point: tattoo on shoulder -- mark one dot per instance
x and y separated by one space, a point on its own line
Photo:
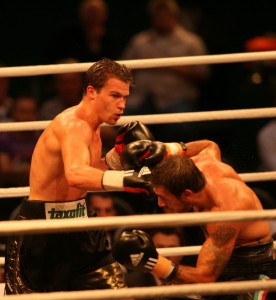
223 234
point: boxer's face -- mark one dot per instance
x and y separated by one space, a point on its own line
171 203
110 100
162 240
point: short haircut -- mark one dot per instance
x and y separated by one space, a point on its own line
170 5
176 174
168 231
104 69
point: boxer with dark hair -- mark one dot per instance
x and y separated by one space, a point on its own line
66 164
198 181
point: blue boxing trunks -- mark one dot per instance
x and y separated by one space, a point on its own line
59 261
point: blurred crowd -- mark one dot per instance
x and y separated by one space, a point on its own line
169 30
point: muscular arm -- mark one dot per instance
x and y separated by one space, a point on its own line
213 256
203 147
76 159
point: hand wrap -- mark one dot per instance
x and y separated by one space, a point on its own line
131 181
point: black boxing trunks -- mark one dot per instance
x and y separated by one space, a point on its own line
248 260
59 261
252 262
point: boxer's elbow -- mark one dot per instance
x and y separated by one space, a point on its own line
198 274
84 178
208 278
213 149
212 145
206 275
74 178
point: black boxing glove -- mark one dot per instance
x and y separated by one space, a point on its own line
148 153
131 181
126 134
131 132
135 250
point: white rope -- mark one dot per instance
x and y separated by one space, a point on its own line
138 221
251 113
14 192
247 177
173 251
218 288
140 63
259 176
188 250
23 126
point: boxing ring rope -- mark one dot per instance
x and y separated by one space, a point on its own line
250 113
247 177
174 251
138 221
187 219
140 63
219 288
157 119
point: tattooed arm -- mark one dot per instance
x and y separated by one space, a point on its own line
213 257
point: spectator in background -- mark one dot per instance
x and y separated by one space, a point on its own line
266 143
16 147
67 91
163 237
251 84
108 205
266 147
168 237
168 89
92 39
191 236
5 99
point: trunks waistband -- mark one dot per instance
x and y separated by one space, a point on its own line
248 260
255 250
35 209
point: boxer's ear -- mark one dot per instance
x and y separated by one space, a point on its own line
90 92
186 194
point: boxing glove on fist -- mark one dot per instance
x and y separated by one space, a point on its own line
131 181
148 153
131 132
126 134
136 251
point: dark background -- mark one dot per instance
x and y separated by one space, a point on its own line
28 29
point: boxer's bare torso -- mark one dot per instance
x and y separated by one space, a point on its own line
228 192
48 176
67 162
224 191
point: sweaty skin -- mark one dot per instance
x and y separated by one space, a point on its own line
224 191
67 161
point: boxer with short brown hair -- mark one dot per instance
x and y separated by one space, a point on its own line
66 164
198 181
